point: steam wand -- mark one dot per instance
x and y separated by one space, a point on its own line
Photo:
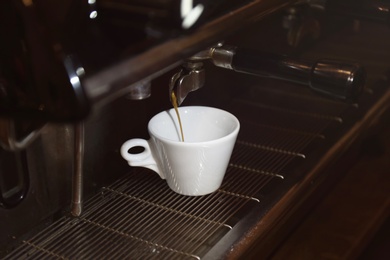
77 178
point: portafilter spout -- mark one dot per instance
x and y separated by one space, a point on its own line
190 78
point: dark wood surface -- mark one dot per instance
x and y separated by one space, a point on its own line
352 221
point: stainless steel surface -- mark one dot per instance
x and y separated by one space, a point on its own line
9 139
49 167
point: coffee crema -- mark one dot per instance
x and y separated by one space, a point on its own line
175 106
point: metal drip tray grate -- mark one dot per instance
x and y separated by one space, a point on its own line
139 217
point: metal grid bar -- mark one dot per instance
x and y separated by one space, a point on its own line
259 160
275 139
293 97
287 119
247 182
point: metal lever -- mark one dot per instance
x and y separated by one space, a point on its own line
331 77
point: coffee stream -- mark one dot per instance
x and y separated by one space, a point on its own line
174 103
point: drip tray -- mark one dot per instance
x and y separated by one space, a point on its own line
139 216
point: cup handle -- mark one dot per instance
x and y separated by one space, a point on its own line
143 159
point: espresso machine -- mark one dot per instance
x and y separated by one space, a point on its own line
308 80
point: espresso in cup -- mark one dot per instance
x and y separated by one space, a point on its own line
196 166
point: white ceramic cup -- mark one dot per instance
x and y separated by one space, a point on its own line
197 165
